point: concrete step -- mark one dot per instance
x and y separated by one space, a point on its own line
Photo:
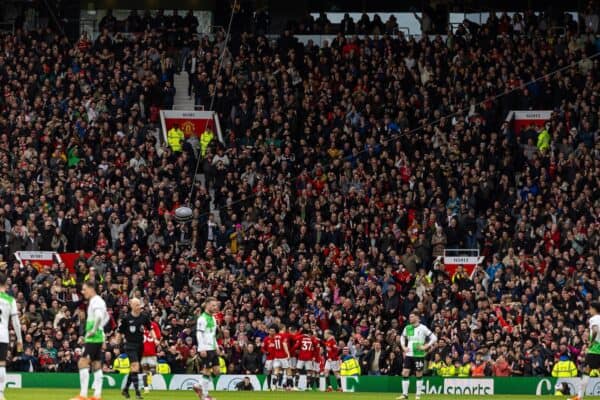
182 100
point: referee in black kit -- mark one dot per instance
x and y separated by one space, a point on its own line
132 329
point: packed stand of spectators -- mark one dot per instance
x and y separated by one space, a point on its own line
346 171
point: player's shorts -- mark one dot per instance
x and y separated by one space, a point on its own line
3 351
305 365
150 361
593 361
134 351
93 351
269 365
414 364
332 365
293 362
210 361
281 363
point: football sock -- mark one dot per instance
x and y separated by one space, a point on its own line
2 379
419 386
136 382
84 381
98 383
405 384
584 381
205 385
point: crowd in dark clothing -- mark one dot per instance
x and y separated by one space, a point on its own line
345 172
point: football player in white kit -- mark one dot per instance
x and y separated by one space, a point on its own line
97 318
416 340
8 314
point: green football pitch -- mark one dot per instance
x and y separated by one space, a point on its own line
62 394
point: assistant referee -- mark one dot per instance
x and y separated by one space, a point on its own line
132 328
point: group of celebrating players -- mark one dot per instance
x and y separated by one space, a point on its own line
288 352
295 351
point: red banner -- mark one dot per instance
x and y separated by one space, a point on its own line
37 259
189 126
192 123
70 258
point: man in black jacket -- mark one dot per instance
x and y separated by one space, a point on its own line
374 360
251 361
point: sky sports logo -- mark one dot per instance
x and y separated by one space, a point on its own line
476 387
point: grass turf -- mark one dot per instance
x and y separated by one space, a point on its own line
65 394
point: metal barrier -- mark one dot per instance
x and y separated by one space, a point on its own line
403 29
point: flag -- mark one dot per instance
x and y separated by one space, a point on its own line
38 259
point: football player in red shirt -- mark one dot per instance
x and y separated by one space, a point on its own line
332 364
149 361
305 346
293 337
276 348
268 348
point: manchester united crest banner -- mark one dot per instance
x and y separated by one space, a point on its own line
192 123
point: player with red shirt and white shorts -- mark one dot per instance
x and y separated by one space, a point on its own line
276 348
292 376
304 347
333 362
149 360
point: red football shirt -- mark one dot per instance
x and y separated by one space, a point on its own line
273 347
306 348
333 353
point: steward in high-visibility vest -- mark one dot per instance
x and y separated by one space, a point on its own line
205 140
464 371
447 369
222 366
564 368
175 137
350 367
122 364
69 281
163 367
435 365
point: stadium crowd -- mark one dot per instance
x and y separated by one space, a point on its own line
346 170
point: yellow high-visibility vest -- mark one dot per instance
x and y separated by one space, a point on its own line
447 370
435 367
122 365
564 369
205 139
464 370
222 365
350 367
174 139
163 368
